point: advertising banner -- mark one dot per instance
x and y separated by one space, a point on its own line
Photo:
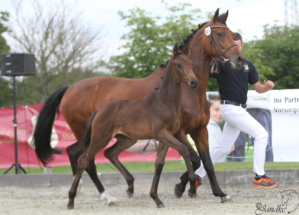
284 108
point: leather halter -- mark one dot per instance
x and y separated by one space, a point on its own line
215 45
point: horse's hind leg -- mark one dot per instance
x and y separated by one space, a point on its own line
92 172
74 151
195 160
112 154
161 154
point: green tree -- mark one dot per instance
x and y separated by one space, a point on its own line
4 48
151 39
5 90
255 55
277 51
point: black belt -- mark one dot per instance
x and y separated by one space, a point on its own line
233 103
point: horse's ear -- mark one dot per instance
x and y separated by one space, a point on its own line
225 16
175 50
215 17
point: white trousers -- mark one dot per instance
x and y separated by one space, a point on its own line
238 119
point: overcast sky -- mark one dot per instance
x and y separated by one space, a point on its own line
246 15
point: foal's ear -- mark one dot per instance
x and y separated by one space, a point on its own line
175 50
225 16
187 49
215 17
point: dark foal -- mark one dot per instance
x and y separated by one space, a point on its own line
157 116
80 99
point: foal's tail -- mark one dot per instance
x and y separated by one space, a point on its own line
43 128
87 135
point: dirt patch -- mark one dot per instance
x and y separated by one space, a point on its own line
53 200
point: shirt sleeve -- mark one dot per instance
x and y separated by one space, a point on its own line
253 75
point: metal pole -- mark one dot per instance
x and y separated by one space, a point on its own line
15 126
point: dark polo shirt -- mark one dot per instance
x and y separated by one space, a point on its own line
233 83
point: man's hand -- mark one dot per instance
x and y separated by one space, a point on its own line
233 148
269 84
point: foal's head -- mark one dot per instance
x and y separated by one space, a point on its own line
182 67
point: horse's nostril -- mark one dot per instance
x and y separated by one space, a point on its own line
194 83
240 59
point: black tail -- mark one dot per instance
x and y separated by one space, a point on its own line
87 135
43 128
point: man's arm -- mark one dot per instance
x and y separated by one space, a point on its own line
263 88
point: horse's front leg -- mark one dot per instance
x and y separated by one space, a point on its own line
112 155
160 160
195 159
165 137
200 138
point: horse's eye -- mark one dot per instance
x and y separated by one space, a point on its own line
220 34
179 65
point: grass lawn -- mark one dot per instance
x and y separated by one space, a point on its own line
148 166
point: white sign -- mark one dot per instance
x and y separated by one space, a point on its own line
284 108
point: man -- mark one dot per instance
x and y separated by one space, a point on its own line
233 88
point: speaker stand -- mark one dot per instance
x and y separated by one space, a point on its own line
16 164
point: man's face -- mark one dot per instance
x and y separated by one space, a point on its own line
239 43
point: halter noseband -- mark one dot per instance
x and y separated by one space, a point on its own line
208 32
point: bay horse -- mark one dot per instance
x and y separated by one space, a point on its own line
80 99
156 116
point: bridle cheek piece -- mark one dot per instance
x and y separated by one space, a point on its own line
208 32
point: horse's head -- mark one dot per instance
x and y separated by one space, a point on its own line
218 41
182 67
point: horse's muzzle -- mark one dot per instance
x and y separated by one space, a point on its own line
193 84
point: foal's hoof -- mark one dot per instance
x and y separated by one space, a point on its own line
177 192
70 206
161 206
129 194
113 203
226 199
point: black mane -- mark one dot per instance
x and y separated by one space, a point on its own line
187 39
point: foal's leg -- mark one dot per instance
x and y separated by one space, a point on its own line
112 154
74 151
160 160
171 141
83 163
195 159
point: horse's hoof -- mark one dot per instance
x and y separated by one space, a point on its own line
70 206
177 192
113 203
161 206
191 195
130 195
226 199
